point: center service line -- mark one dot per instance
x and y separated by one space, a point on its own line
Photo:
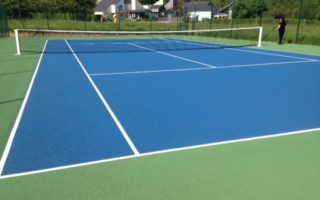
174 56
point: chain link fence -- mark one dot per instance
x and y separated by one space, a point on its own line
4 30
302 16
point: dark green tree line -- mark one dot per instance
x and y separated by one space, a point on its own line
27 8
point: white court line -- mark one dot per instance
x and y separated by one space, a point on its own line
265 64
119 43
19 117
198 69
161 152
250 51
150 71
272 54
152 42
105 103
174 56
97 43
292 52
85 43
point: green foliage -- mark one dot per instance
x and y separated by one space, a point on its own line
147 2
26 8
4 29
273 8
241 10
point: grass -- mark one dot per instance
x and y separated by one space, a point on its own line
307 49
15 75
285 168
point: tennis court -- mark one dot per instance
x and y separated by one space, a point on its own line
133 99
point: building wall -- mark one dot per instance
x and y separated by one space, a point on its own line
114 8
201 15
159 3
133 4
169 5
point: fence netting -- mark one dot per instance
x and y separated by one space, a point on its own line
302 16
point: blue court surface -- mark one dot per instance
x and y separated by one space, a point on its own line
90 107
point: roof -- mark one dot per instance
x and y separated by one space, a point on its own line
104 4
200 6
156 6
226 7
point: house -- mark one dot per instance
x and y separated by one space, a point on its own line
111 9
128 9
200 10
104 9
156 10
163 9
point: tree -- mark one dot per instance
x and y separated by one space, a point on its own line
18 8
241 10
257 8
83 8
147 2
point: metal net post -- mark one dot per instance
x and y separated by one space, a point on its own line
16 32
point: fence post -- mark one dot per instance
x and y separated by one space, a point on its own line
119 23
150 23
232 15
299 20
3 27
177 16
212 16
47 16
261 12
194 18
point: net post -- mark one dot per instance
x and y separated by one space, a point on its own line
260 36
16 32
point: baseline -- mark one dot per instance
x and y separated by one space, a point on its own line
306 131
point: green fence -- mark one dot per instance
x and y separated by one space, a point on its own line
302 16
303 19
4 30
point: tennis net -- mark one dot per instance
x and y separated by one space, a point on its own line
31 40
